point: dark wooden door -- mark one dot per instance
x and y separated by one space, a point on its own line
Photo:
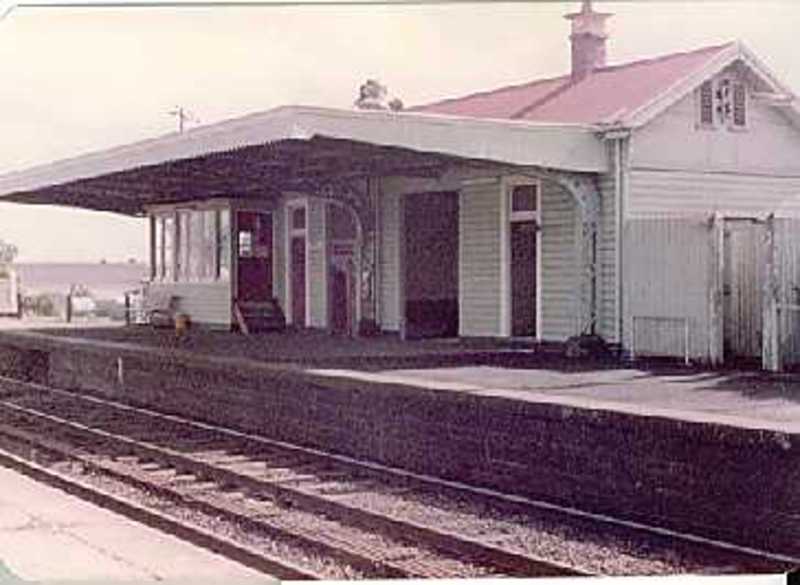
340 301
255 256
523 278
298 276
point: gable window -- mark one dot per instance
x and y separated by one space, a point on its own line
722 103
739 105
707 104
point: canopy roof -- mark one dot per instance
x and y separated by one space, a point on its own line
295 148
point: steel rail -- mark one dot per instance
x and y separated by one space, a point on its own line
452 486
466 549
196 535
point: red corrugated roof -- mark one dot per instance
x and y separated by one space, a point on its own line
600 97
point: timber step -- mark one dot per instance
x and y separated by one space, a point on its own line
254 317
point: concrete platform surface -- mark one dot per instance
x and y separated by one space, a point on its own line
746 400
49 536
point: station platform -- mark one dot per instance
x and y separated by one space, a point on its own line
739 399
483 367
48 536
705 452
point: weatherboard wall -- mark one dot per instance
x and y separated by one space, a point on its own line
480 259
560 270
678 167
207 303
606 260
391 208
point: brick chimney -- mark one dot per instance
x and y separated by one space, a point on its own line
588 40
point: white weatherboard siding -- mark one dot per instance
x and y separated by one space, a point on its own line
655 193
480 259
667 275
680 169
769 144
390 240
787 269
317 271
208 303
560 264
606 260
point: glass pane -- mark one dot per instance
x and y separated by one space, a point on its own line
209 269
263 235
158 248
523 198
739 101
196 233
169 247
706 104
224 244
182 270
299 218
245 244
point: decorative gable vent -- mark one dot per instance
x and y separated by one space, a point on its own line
739 105
722 103
707 104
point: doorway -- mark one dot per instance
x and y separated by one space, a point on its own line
254 237
524 243
342 235
431 264
742 286
297 281
523 278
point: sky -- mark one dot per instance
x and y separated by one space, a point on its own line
81 79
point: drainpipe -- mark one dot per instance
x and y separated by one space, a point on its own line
619 138
376 194
618 226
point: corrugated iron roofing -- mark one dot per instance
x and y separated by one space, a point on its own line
600 97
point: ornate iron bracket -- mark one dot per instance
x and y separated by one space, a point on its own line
362 205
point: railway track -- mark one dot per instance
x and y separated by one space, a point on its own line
298 513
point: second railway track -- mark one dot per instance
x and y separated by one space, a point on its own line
304 508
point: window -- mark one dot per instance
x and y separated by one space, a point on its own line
209 246
182 269
298 218
196 245
191 245
223 244
722 103
739 105
168 271
524 200
157 269
245 244
707 104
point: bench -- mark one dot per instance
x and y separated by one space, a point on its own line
160 309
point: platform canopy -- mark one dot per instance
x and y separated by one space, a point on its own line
293 149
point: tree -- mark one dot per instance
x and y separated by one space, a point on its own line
372 95
8 252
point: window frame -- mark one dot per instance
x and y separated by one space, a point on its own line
722 120
181 223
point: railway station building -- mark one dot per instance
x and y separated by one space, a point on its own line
651 204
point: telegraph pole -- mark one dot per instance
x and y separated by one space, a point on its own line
183 116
